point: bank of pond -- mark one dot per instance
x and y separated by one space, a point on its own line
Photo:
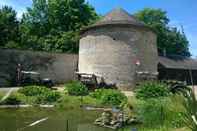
154 107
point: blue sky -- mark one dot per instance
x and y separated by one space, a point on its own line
180 12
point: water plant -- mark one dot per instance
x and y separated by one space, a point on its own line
190 114
76 88
40 94
109 96
152 89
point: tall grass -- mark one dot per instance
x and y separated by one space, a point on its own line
74 102
190 114
159 114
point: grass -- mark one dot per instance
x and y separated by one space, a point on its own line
70 102
1 95
29 100
162 128
66 101
156 114
159 114
155 118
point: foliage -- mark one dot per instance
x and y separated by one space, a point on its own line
8 28
152 89
159 112
109 96
49 97
33 90
170 39
53 25
75 102
12 100
76 88
42 94
190 104
176 86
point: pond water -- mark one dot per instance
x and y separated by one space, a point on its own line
19 119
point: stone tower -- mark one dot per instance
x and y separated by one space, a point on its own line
118 48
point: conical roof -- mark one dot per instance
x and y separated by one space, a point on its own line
117 16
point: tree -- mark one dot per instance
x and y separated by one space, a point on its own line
53 25
8 28
173 41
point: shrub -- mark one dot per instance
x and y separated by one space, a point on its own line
42 94
33 90
176 86
152 89
76 88
109 96
49 97
98 93
159 112
12 100
190 105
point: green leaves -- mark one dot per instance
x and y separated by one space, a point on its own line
170 39
55 24
151 89
190 104
109 96
8 28
42 95
76 88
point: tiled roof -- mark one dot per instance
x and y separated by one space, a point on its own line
178 62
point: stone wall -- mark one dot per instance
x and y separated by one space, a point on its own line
112 52
59 67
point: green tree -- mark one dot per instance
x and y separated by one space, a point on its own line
9 35
169 39
54 25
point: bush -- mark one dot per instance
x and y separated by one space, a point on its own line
76 88
190 104
159 112
49 97
152 89
109 96
12 100
42 94
176 86
33 90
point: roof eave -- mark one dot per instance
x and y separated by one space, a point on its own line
114 24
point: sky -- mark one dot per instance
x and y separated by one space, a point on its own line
180 12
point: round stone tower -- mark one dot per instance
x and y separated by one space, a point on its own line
118 48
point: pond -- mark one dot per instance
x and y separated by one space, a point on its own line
19 119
